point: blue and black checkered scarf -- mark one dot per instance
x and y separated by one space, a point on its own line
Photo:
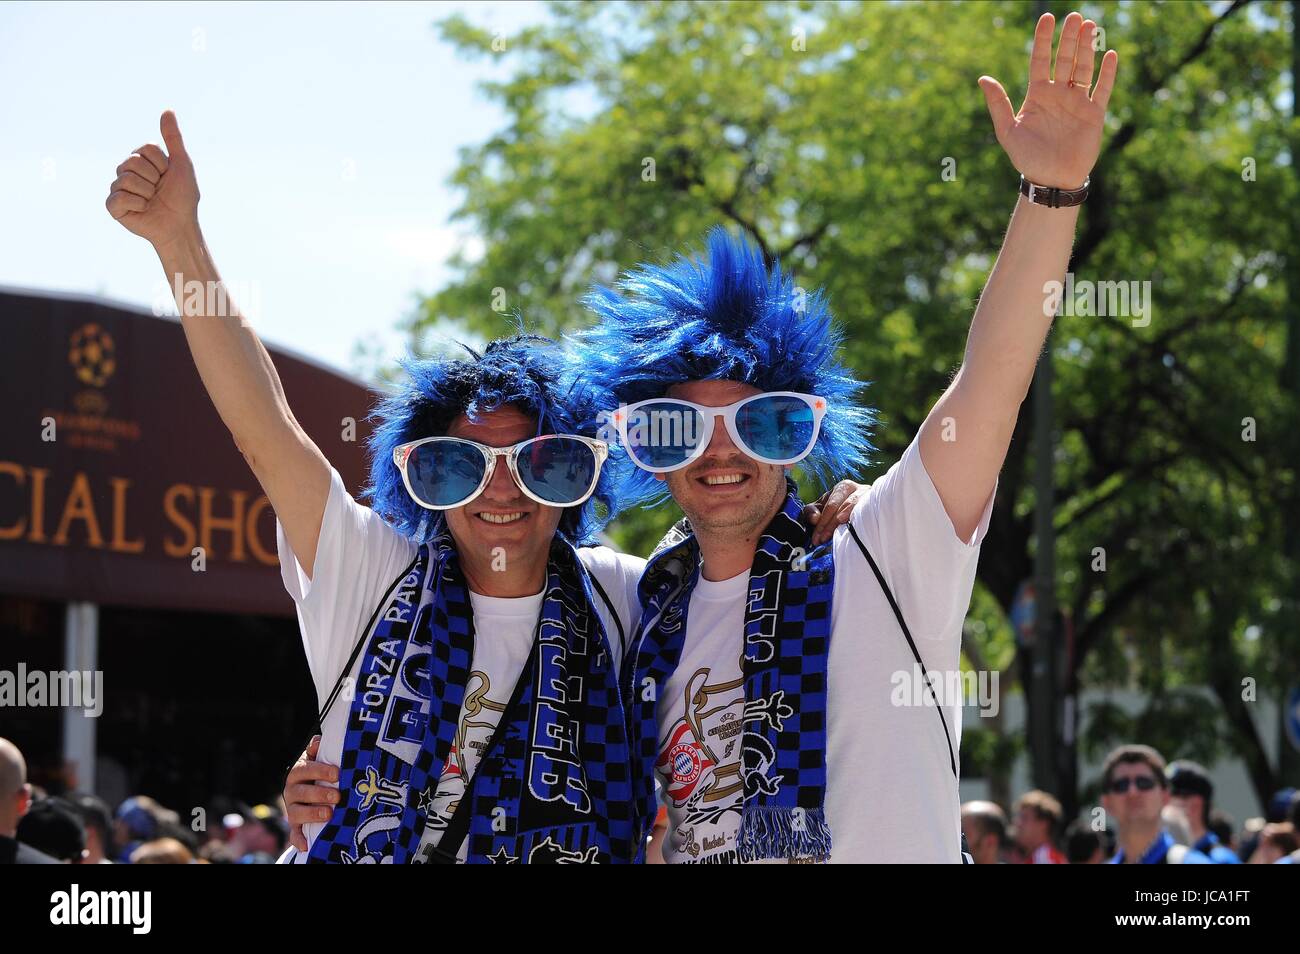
557 787
787 642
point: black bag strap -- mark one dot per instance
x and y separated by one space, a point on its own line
352 659
361 641
966 857
910 642
453 836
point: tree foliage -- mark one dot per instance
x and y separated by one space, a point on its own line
824 131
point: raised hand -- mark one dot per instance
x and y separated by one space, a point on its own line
155 194
1055 138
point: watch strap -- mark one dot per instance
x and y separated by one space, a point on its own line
1053 197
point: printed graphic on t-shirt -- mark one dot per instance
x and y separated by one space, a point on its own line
479 716
700 767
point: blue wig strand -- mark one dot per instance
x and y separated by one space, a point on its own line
527 372
726 317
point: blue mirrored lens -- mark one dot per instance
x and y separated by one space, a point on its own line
663 434
777 427
445 473
560 470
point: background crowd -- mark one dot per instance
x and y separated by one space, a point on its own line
1147 799
38 826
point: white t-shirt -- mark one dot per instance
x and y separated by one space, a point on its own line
891 793
358 556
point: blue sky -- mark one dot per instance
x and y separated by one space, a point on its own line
323 136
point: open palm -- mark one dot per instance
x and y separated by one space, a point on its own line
1055 138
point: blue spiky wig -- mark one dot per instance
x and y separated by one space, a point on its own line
724 317
527 372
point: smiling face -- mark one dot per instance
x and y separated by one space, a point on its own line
724 491
503 515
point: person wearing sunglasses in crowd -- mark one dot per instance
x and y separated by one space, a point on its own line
767 664
1135 792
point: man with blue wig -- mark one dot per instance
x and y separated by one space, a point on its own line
760 680
461 620
796 690
491 632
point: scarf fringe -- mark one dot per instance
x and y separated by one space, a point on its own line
770 831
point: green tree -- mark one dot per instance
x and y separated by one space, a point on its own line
852 142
